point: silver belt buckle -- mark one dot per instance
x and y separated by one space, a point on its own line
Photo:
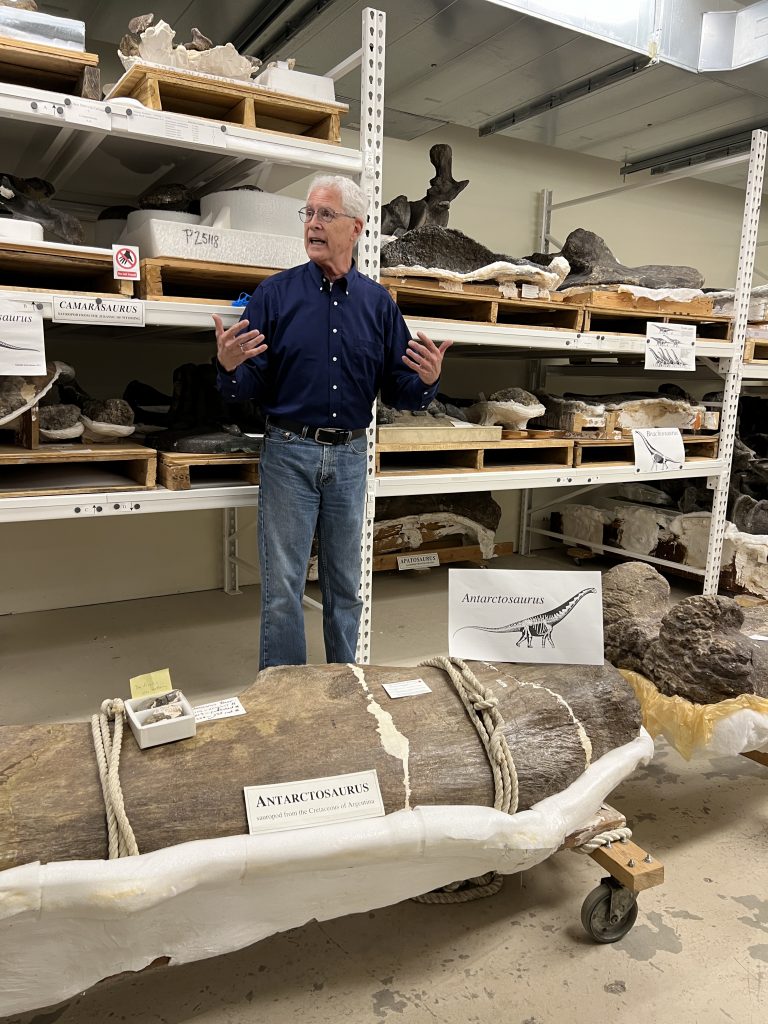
327 430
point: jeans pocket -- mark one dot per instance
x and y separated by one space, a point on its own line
359 445
276 436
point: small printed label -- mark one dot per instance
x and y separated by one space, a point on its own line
429 558
93 115
670 347
125 262
758 636
227 708
82 309
313 802
151 683
408 688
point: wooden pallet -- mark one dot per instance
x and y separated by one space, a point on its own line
446 555
75 468
756 350
179 470
65 271
478 304
241 103
468 457
621 452
50 67
600 320
179 280
598 298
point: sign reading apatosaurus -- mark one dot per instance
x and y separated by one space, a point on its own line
554 618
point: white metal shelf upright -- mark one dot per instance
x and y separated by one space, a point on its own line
731 356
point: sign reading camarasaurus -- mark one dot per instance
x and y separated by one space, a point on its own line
555 618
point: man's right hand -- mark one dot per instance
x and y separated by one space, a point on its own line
237 343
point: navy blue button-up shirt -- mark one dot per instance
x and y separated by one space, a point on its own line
332 348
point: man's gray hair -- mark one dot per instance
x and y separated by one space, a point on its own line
353 199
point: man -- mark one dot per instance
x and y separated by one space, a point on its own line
315 346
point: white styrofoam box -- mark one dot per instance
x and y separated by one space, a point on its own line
246 210
298 83
216 245
45 29
13 230
153 733
138 218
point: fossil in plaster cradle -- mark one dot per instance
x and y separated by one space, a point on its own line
593 263
511 408
401 215
628 411
310 722
27 199
408 524
153 43
695 649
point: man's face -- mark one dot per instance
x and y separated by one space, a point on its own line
330 244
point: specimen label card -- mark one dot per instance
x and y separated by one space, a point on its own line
227 708
22 343
658 449
553 618
670 347
313 802
407 688
418 561
85 309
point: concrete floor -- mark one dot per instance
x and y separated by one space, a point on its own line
698 953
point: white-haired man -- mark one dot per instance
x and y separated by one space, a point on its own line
316 344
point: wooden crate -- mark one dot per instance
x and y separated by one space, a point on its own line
75 468
446 554
756 350
621 452
477 304
179 280
598 298
179 470
601 320
241 103
50 67
468 457
59 269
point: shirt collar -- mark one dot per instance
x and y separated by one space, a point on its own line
347 282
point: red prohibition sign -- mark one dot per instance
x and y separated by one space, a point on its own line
126 258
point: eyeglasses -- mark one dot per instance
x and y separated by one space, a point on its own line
324 214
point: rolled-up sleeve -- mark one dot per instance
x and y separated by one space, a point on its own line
248 381
401 387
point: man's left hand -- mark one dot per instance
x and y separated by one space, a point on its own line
425 357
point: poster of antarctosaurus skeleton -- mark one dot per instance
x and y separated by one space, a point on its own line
510 615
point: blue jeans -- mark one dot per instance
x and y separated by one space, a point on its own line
305 486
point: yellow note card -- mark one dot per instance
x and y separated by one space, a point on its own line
151 683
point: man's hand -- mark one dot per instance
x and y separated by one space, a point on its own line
425 357
237 343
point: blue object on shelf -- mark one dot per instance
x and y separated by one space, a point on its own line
242 299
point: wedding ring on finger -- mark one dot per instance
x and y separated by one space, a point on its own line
242 347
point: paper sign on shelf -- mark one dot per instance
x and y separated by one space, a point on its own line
227 708
86 309
151 683
91 116
22 341
658 449
423 561
125 262
670 347
313 802
167 126
406 688
553 618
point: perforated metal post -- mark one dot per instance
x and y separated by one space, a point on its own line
230 551
733 378
372 146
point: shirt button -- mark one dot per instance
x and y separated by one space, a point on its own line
335 302
334 359
334 415
335 386
335 331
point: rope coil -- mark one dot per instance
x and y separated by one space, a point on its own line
614 835
122 842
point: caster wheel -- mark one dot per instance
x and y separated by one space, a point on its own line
604 922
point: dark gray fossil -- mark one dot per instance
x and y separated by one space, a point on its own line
401 215
479 507
58 417
109 410
694 649
434 246
592 262
176 198
27 200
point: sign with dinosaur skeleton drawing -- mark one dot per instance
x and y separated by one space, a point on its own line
553 618
658 449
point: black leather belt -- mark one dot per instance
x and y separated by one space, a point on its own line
323 435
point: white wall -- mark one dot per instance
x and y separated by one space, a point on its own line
55 564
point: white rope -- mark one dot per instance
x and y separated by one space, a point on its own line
482 707
614 835
122 842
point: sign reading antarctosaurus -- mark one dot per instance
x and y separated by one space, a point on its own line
521 616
